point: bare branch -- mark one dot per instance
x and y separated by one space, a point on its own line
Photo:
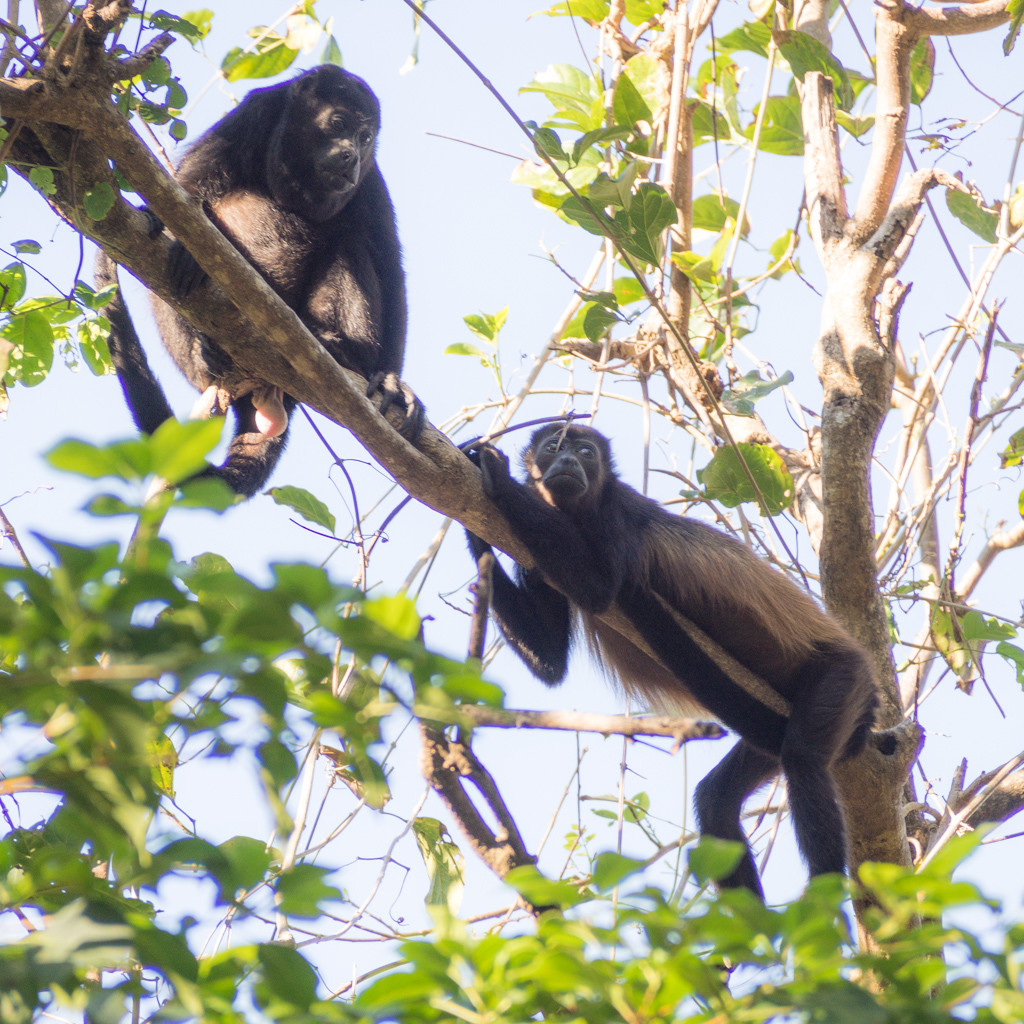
680 729
892 106
445 764
957 21
823 169
1004 540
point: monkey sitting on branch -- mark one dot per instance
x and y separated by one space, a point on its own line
802 695
290 177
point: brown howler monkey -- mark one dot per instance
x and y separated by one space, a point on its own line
289 176
595 540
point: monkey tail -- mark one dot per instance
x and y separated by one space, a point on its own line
142 391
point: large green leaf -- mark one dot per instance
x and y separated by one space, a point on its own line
783 131
308 505
31 356
922 70
1015 9
725 480
968 210
576 97
444 863
805 53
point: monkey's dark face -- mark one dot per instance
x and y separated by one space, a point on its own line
568 470
326 144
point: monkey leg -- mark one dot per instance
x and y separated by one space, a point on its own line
823 720
719 802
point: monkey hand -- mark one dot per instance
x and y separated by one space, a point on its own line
184 271
493 466
395 391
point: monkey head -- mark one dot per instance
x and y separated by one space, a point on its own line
568 466
322 148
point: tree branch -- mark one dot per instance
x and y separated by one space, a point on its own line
957 21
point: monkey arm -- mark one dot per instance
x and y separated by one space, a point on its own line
579 565
535 618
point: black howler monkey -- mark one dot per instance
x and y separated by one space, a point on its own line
594 541
289 176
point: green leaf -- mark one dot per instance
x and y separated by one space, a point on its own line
597 321
178 129
207 492
1014 452
1015 9
651 212
749 389
92 337
922 70
179 450
751 36
576 97
856 124
713 212
201 19
611 868
782 132
541 891
596 138
712 859
975 627
12 284
1015 656
628 290
637 90
331 53
396 614
172 23
31 357
606 191
968 210
547 144
111 505
42 179
245 864
640 11
288 975
805 53
628 105
302 890
310 507
487 326
444 863
167 952
128 460
28 245
590 10
463 348
270 58
842 1002
724 479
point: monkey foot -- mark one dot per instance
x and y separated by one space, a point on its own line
396 392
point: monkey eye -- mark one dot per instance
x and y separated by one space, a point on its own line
551 446
364 137
585 450
336 123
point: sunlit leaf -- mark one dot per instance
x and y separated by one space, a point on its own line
725 480
308 505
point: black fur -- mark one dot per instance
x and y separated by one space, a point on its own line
289 176
595 541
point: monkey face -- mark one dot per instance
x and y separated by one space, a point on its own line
324 145
567 469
